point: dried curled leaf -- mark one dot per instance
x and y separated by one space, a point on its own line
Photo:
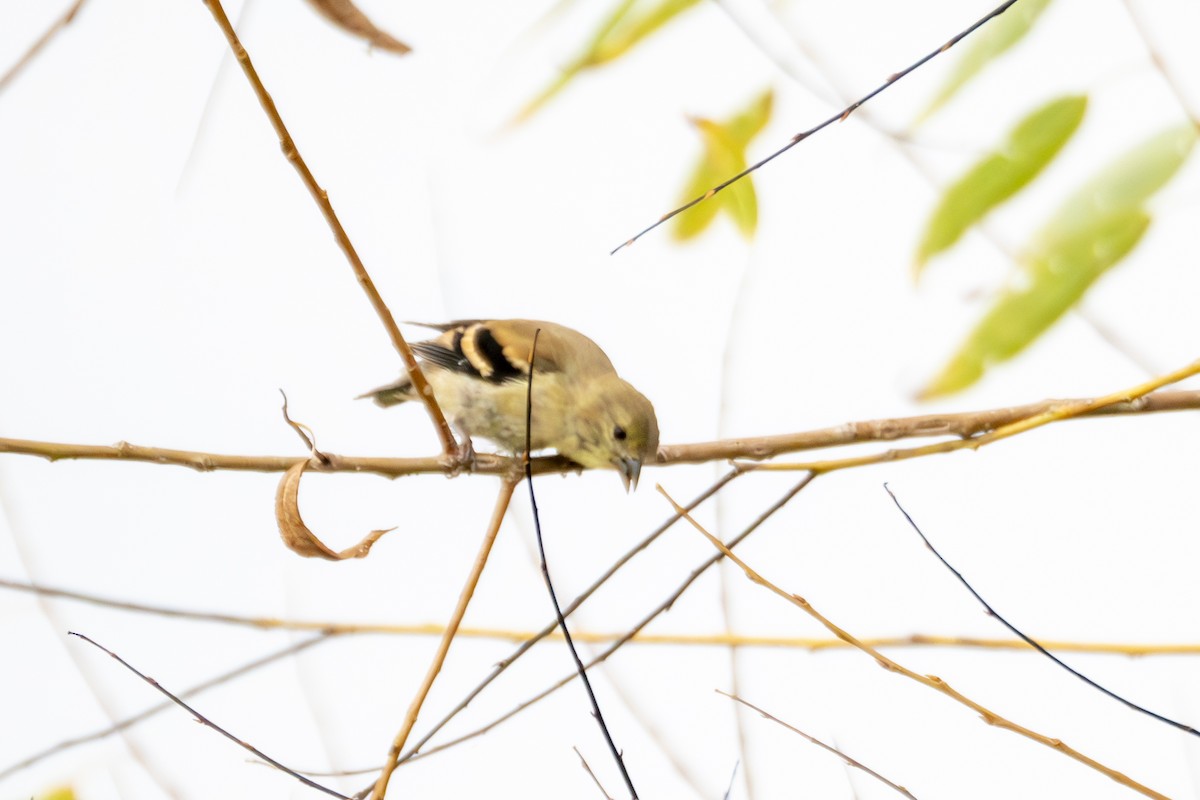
297 536
353 21
1030 146
725 146
996 37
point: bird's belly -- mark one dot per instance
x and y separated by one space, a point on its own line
497 412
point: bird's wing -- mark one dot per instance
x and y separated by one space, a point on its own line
498 350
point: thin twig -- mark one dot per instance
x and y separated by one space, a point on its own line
968 424
591 774
1055 413
550 627
129 722
66 19
931 681
525 637
562 621
1172 83
909 152
1041 649
321 197
850 761
379 788
209 723
732 778
840 116
625 637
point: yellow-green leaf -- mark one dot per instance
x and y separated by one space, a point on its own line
1059 276
629 23
1030 146
1124 185
724 156
991 41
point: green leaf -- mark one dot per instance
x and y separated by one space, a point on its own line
724 156
1030 146
991 41
1094 228
1124 185
1059 276
616 35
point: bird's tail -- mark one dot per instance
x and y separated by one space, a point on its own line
393 394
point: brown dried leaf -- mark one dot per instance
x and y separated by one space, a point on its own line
349 18
296 534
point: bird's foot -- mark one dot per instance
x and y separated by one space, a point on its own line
461 460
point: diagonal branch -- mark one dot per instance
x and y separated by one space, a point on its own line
379 788
1029 641
838 117
931 681
66 19
292 154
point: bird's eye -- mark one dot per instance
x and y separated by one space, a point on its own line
619 433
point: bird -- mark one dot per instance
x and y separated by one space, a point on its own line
581 408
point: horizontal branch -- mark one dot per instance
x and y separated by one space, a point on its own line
962 425
723 639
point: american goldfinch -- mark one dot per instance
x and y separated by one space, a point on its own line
478 370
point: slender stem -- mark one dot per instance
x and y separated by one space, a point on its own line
321 197
66 19
838 117
580 669
209 723
1029 641
931 681
439 657
964 425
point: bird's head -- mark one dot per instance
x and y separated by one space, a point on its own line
616 428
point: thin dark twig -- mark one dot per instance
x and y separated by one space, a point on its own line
129 722
732 778
993 613
838 117
850 761
203 720
562 621
524 647
637 628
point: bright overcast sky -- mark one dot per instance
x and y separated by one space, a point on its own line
163 273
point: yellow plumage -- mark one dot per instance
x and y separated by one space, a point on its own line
581 408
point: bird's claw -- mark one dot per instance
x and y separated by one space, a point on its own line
461 460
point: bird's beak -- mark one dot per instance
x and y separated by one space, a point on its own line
630 469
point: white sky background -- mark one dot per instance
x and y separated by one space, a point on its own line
163 272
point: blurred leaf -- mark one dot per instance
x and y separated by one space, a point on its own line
1058 278
1097 226
724 156
1124 185
988 43
349 18
623 29
1030 146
